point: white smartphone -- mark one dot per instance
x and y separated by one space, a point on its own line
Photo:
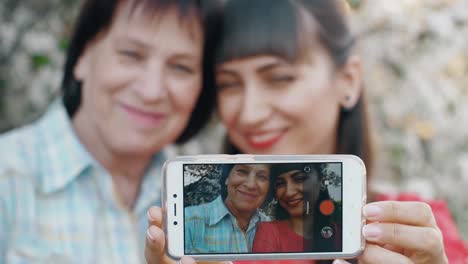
235 207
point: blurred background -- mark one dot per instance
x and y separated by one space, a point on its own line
415 55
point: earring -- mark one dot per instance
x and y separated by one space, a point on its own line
347 103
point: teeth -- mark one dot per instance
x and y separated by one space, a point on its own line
264 137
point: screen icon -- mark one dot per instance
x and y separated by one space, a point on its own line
327 232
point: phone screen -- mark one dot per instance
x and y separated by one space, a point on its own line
262 208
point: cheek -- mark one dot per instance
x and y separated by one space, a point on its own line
228 108
233 182
184 93
279 192
264 187
109 75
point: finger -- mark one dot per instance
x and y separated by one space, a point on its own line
409 213
155 247
187 260
393 248
340 261
413 238
155 216
374 254
211 262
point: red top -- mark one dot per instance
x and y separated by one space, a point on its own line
277 236
455 247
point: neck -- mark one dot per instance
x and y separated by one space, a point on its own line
126 170
297 225
243 218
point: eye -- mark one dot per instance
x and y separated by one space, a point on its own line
182 68
263 177
242 172
300 177
227 81
130 54
280 183
223 85
281 79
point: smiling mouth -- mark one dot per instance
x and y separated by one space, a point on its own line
250 196
293 202
264 140
145 118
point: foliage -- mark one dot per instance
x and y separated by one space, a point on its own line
202 183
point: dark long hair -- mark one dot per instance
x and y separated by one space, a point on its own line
281 28
96 16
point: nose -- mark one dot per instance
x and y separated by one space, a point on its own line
255 107
250 182
291 190
151 85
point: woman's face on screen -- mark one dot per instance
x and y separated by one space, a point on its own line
247 187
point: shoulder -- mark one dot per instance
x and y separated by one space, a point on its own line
19 154
18 143
18 172
199 211
270 226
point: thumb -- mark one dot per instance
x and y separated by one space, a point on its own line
155 246
187 260
340 261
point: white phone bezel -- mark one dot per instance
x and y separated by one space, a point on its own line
353 191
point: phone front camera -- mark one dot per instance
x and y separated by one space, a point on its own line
175 195
175 222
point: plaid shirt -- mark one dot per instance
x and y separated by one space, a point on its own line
58 205
211 228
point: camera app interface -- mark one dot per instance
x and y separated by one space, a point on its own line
262 208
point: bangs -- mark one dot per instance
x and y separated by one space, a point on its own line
188 11
260 27
278 169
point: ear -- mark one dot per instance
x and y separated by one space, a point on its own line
79 71
84 62
349 82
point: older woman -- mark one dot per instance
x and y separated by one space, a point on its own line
76 184
228 223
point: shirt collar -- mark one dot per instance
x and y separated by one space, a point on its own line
218 211
150 193
64 157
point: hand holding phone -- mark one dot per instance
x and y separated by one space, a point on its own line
270 207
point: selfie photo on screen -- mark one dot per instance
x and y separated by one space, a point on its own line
262 208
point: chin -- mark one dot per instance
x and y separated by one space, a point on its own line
137 147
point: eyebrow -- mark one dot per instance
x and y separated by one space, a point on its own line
271 66
244 166
142 44
295 172
132 40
